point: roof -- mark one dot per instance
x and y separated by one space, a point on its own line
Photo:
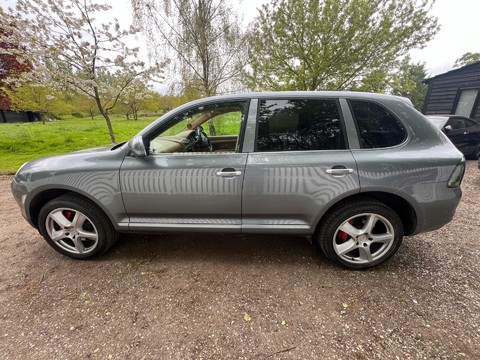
451 72
301 94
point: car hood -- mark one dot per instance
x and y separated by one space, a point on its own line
102 148
106 158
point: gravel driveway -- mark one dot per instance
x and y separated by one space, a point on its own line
240 297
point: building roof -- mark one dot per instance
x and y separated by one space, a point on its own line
451 72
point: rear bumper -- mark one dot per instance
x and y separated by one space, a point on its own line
437 207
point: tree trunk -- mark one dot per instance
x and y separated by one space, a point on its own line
109 126
105 115
211 127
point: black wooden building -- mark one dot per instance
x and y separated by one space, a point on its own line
454 92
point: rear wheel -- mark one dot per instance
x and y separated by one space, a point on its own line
361 234
75 227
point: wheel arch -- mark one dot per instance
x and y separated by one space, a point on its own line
42 198
402 207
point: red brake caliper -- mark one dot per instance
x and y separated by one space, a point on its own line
343 236
68 214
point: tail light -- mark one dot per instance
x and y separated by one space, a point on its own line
457 175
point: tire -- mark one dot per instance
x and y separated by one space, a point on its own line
360 234
75 227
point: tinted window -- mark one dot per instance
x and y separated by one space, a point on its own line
470 123
456 123
292 125
378 128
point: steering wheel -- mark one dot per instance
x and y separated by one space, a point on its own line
203 139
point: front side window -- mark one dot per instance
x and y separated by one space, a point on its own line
207 128
377 127
299 125
456 124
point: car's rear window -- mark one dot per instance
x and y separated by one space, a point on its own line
299 124
377 127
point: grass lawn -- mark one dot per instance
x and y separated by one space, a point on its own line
21 142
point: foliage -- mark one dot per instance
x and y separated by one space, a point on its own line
12 65
22 142
204 35
70 49
333 44
408 82
134 98
467 59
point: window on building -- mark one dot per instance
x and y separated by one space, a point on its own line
466 101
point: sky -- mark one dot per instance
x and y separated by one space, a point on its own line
459 33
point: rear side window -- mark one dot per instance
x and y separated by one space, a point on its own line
377 127
296 125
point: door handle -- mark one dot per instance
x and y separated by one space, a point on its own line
229 172
339 171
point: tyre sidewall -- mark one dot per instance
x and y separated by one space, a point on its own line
341 214
94 216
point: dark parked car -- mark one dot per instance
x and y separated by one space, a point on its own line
462 131
355 171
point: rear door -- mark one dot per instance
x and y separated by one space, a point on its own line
299 165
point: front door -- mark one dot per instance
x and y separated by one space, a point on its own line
189 178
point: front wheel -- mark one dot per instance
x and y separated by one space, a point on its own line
361 234
75 227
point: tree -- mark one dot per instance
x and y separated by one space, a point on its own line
38 99
12 65
467 59
135 98
204 35
69 48
408 82
333 44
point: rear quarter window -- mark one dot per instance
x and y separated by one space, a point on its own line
377 127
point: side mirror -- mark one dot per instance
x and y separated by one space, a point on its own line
448 127
137 147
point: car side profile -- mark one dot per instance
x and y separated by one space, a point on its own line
355 171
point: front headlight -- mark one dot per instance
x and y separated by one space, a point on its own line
457 175
20 168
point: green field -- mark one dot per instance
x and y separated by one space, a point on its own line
22 142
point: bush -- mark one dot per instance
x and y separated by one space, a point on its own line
78 114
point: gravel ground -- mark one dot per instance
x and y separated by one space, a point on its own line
255 297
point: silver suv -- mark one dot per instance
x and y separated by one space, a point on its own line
355 171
